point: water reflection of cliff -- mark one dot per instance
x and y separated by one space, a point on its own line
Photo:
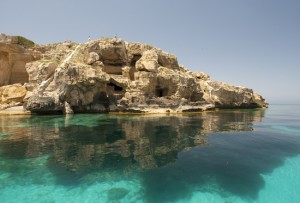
81 143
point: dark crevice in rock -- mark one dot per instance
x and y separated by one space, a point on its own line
101 98
135 58
131 73
116 88
161 92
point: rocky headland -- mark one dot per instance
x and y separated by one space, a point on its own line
107 75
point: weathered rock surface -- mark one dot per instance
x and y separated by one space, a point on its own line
14 54
109 74
12 95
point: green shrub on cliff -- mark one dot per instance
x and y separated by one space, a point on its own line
23 41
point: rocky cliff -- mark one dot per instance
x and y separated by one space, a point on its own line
108 75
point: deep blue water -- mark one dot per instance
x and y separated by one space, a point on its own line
226 156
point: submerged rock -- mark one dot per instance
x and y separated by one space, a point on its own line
111 75
116 194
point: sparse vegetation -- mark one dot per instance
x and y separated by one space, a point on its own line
24 42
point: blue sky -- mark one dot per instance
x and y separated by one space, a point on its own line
252 43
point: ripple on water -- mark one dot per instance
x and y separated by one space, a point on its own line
286 128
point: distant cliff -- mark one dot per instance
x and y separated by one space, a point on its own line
108 75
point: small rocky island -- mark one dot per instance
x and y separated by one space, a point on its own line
107 75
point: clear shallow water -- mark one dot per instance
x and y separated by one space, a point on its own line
227 156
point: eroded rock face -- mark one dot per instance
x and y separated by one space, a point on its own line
15 52
112 75
12 64
12 95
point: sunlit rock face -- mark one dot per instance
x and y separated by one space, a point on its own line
12 95
111 75
14 54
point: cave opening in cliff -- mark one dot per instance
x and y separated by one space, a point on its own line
135 58
115 87
101 98
161 92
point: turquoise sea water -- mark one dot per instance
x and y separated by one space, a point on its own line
227 156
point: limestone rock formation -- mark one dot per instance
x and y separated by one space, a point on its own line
14 54
12 95
111 75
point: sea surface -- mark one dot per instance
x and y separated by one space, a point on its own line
228 156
